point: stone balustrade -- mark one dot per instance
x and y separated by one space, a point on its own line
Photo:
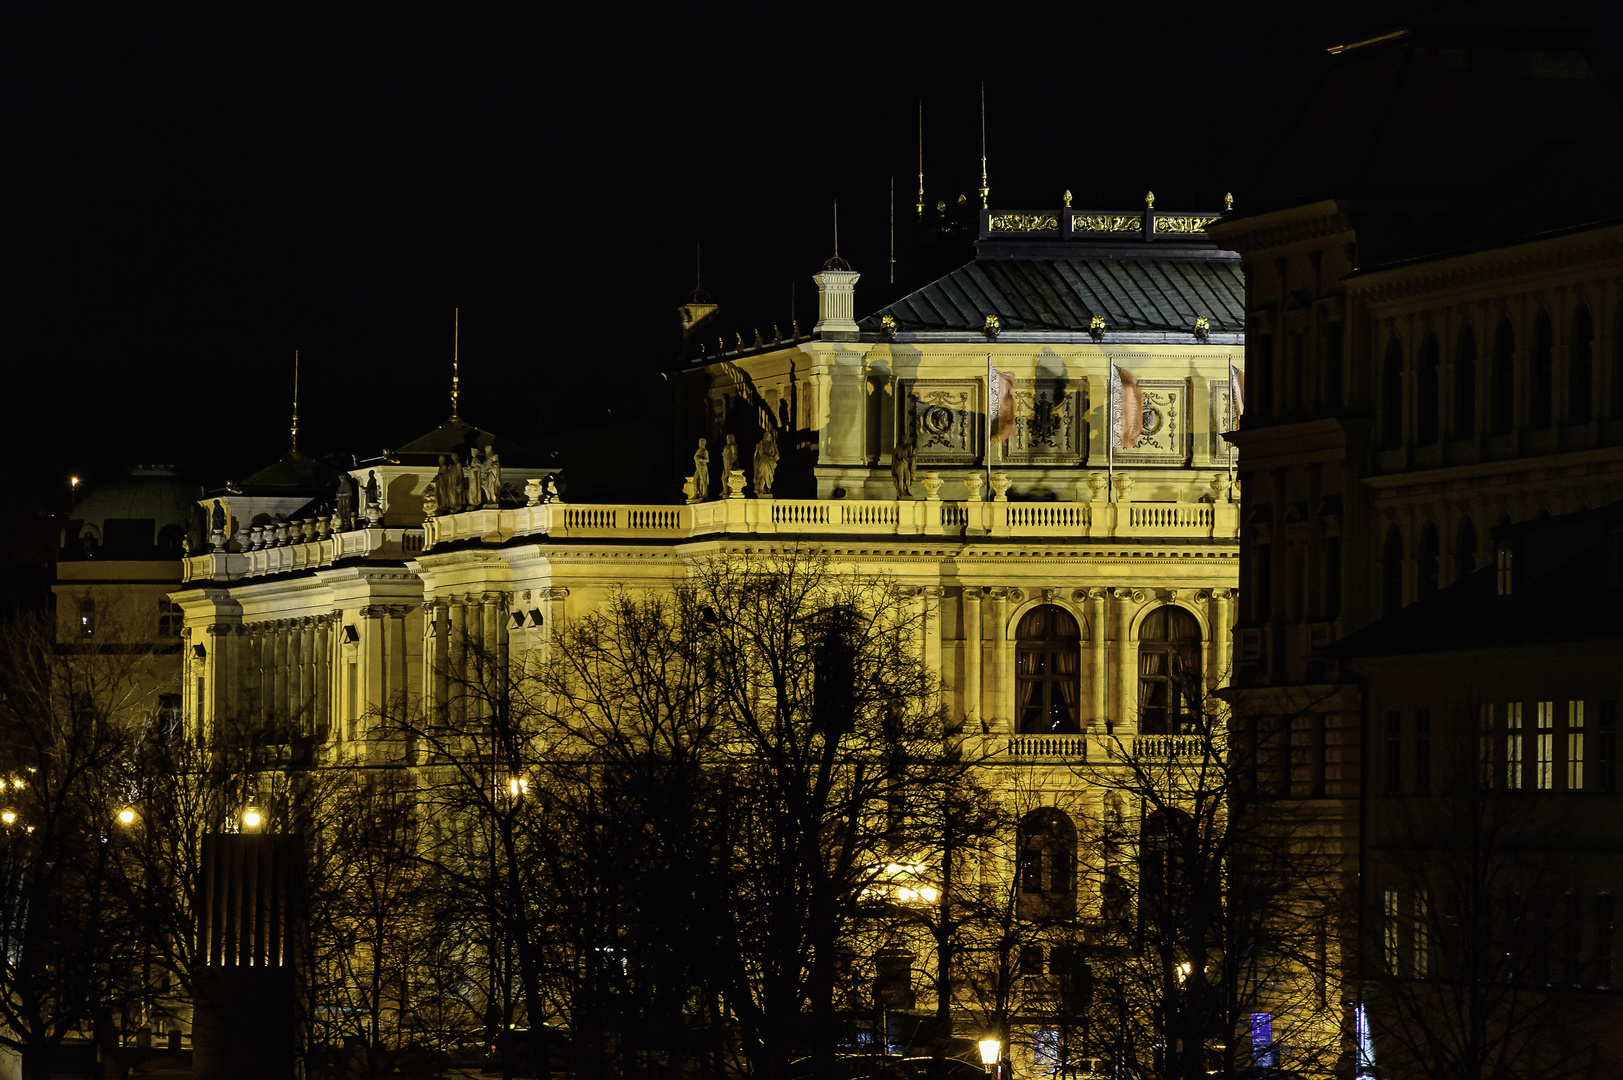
302 554
1095 748
871 517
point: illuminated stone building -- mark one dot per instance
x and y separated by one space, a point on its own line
305 615
1434 310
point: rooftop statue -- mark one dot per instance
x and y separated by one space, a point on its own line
475 468
729 457
901 469
701 473
491 477
766 461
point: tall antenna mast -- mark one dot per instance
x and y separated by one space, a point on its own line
985 191
456 373
836 228
893 230
921 158
295 401
698 267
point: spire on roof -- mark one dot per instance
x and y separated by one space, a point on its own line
456 374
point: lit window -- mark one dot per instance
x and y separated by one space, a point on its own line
1513 745
1263 1054
1575 746
1048 655
1422 942
1545 749
1390 932
1045 1049
87 617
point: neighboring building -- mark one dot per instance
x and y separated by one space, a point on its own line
1055 597
1434 306
1494 844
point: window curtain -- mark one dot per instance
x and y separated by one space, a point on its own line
1066 666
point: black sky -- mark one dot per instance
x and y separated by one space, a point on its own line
197 193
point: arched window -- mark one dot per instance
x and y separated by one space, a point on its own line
1426 398
1502 390
1465 549
1465 386
1430 560
1581 369
1163 881
1169 689
1392 397
1542 376
1048 649
1047 864
1392 573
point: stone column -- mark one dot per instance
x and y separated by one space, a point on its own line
458 673
1222 619
1098 648
372 622
1001 691
278 705
436 657
930 605
1126 664
324 669
307 674
396 665
974 642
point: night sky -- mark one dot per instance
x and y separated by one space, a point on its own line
194 193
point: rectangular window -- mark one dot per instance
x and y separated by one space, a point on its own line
1422 751
1502 569
1394 752
170 618
1544 772
1045 1049
1605 938
197 711
1575 746
1606 746
1485 743
1263 1054
1422 941
1390 934
1513 745
1031 960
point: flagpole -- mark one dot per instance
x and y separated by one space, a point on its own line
990 391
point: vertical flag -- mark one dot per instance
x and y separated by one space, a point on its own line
999 403
1126 409
1236 394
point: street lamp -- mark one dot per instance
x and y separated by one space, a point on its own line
989 1052
126 815
251 819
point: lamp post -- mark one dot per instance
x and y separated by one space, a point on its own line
990 1048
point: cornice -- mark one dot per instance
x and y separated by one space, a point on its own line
1256 236
1547 463
1410 283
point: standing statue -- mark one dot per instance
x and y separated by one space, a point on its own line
901 469
729 458
766 461
453 495
491 477
475 468
701 473
342 500
373 491
217 519
549 488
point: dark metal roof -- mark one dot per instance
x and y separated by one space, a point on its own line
1137 294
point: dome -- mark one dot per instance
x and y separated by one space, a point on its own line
141 515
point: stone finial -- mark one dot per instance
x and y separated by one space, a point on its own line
1228 200
532 492
1149 200
1067 196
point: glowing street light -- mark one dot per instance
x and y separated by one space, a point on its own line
9 816
126 815
251 819
989 1052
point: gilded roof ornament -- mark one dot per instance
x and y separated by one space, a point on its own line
1203 328
1228 200
887 326
1067 196
992 326
1149 200
1096 327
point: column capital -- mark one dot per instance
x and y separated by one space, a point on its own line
972 592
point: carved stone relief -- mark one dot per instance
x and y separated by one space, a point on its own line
1048 426
1165 440
941 419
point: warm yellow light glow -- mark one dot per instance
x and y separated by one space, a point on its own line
251 818
905 894
126 815
989 1049
517 786
928 895
1183 972
8 816
73 481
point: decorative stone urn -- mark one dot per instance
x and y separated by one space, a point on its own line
1000 487
735 484
1124 488
532 492
974 481
1099 486
932 486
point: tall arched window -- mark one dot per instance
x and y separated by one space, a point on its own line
1162 875
1426 396
1465 385
1465 549
1502 389
1430 560
1581 369
1169 689
1542 375
1392 573
1392 397
1047 864
1048 648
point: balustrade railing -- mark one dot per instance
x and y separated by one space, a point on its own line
1073 747
907 517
